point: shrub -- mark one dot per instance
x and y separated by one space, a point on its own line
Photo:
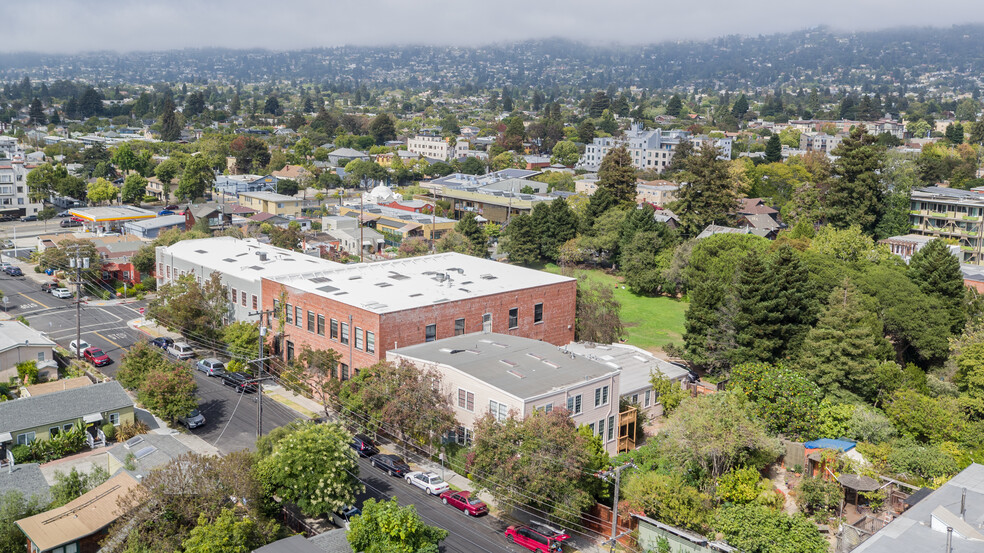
27 372
127 430
21 453
818 495
915 461
109 430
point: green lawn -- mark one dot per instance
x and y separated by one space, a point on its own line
650 322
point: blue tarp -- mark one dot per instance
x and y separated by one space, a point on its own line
830 443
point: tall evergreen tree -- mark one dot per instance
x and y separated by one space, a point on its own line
170 128
235 104
758 319
937 273
740 108
520 241
797 305
708 194
841 354
562 227
618 175
702 317
586 131
773 149
674 106
599 202
599 103
36 113
382 128
468 227
855 195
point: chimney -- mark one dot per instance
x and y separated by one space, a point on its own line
949 540
963 505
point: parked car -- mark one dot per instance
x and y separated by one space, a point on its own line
65 223
430 482
65 213
465 502
181 350
239 381
211 366
96 356
29 218
4 265
8 244
63 293
194 419
364 446
162 342
393 464
81 346
14 271
171 207
164 212
343 517
535 541
49 286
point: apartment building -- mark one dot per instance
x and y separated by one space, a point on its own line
819 142
14 200
649 149
436 147
272 203
951 213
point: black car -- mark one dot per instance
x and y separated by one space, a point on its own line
163 342
364 446
29 218
393 464
65 223
48 286
238 381
13 271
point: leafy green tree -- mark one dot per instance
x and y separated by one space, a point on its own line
565 153
741 486
773 149
165 172
242 339
510 463
382 128
386 527
185 304
251 153
101 191
13 507
927 419
196 178
817 495
854 196
970 378
137 363
937 272
74 484
618 175
41 182
759 529
519 240
643 262
785 400
473 166
842 352
668 498
313 468
708 194
134 188
169 391
597 314
740 107
228 533
170 127
124 159
668 392
468 227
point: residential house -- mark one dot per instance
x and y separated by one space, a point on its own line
658 192
399 224
349 234
19 343
492 205
218 215
432 146
14 194
295 173
27 479
363 310
271 202
332 541
719 229
55 386
819 142
146 452
240 263
270 219
907 245
38 418
342 156
504 374
651 532
234 185
80 525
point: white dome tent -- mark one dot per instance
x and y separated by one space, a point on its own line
380 195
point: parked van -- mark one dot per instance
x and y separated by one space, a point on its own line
181 350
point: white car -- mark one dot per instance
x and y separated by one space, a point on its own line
63 293
181 350
82 346
428 481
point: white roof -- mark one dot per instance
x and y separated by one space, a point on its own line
269 196
636 364
400 284
157 222
241 258
15 333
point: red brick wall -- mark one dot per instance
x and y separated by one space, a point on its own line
406 328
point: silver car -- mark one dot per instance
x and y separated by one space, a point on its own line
181 350
211 366
193 419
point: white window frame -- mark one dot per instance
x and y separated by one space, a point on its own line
26 438
114 419
574 404
465 398
499 410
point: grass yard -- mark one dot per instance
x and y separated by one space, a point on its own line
650 322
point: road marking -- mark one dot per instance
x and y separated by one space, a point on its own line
110 341
42 305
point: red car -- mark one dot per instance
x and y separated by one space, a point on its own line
464 501
535 541
96 356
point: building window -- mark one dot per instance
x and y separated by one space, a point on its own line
334 329
67 427
290 350
358 338
345 333
298 315
538 313
459 327
487 322
254 301
290 314
574 404
466 400
25 438
591 426
648 397
611 427
53 431
548 408
321 325
334 370
345 374
601 396
235 295
370 342
499 410
40 356
243 295
601 429
114 419
310 321
513 318
430 333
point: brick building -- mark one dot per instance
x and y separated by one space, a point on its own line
362 311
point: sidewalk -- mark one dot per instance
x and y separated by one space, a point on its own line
151 328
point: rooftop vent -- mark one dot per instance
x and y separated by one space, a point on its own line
508 363
398 276
262 256
383 284
517 374
339 293
319 280
229 260
487 276
327 288
355 277
418 294
535 356
200 251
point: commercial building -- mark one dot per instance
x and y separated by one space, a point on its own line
362 311
950 213
273 203
496 206
240 263
110 218
149 229
399 223
503 374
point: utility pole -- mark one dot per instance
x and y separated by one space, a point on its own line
78 263
259 370
607 475
362 223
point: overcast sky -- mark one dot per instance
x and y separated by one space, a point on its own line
70 26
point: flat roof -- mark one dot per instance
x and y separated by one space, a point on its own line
111 213
400 284
159 222
14 334
80 517
637 364
521 367
240 258
270 196
393 213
